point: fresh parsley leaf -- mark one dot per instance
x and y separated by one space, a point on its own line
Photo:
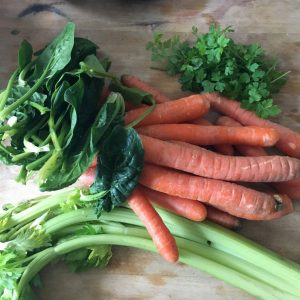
214 62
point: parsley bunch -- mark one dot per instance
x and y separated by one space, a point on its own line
213 62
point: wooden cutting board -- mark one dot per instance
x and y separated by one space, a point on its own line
121 29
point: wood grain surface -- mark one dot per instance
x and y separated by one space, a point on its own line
121 29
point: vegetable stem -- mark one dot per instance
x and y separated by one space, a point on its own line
5 94
6 111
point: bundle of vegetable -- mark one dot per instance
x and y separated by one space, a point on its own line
216 63
64 227
51 119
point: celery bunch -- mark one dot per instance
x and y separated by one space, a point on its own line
64 226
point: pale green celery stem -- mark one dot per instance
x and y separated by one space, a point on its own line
6 111
35 211
236 244
220 238
5 94
230 276
224 258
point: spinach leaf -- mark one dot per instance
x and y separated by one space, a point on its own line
81 152
25 54
120 164
57 54
132 95
81 48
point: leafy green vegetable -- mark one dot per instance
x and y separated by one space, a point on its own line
78 156
82 240
213 62
120 164
25 54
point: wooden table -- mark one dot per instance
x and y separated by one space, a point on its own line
121 29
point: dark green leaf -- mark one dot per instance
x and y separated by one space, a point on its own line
78 157
25 54
57 54
119 166
132 95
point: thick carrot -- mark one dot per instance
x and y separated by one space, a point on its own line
232 198
225 149
222 218
156 228
212 135
290 188
177 111
289 140
134 82
190 209
243 149
205 163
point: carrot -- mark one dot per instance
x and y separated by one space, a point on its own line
190 209
134 82
212 135
289 140
245 150
156 228
94 163
222 218
290 188
225 149
229 197
181 110
88 177
202 162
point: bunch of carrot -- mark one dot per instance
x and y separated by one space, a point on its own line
186 178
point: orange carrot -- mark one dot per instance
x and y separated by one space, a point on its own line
88 177
290 188
190 209
225 149
212 135
222 218
232 198
134 82
205 163
94 163
181 110
156 228
243 149
289 140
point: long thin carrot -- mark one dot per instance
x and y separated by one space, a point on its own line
232 198
177 111
190 209
205 163
134 82
222 218
290 188
158 231
245 150
212 135
225 149
289 141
